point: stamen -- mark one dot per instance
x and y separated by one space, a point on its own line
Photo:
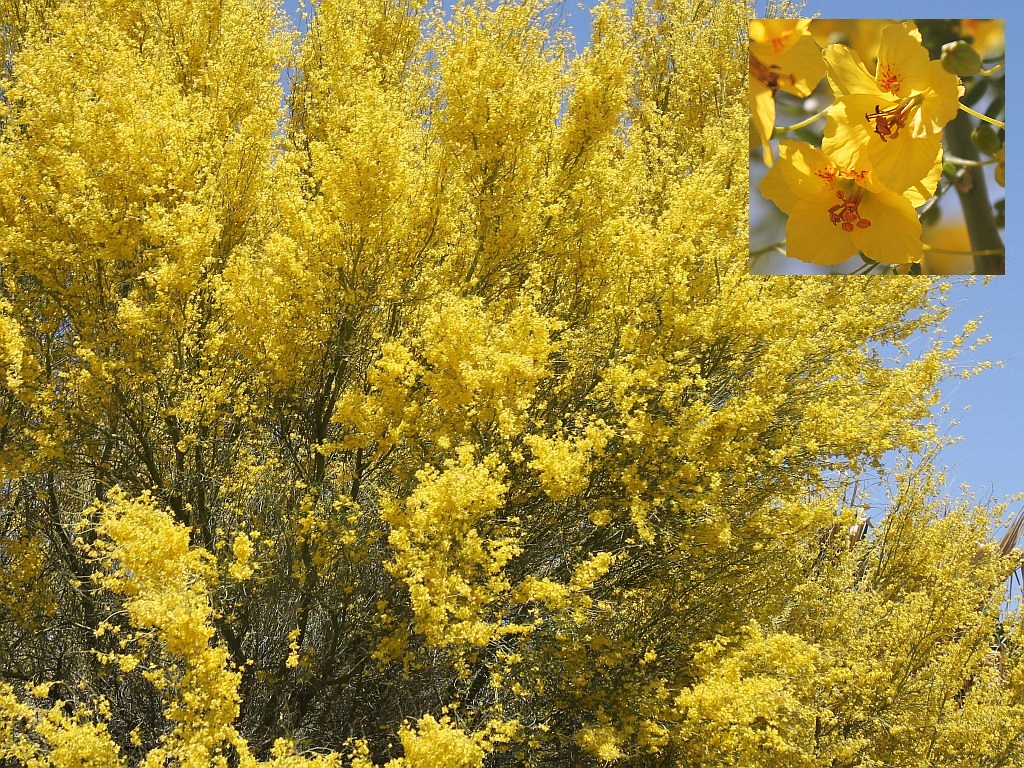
846 212
768 75
888 122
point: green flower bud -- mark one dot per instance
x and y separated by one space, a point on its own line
960 59
986 140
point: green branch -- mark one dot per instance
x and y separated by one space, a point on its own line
990 258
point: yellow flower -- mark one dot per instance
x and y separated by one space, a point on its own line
893 119
836 210
783 56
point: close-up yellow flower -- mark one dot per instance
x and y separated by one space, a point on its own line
783 56
836 210
893 119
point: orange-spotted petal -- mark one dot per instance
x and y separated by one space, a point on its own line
802 173
806 170
770 38
835 211
903 65
783 55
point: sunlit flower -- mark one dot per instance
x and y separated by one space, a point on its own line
783 56
894 118
837 210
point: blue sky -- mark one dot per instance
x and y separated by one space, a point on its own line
989 458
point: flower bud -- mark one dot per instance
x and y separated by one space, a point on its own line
986 140
960 59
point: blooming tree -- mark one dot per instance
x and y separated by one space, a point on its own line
435 420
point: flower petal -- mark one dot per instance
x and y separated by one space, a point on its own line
941 101
770 38
774 187
762 113
811 236
802 175
847 132
903 66
806 169
918 194
894 236
906 162
899 162
846 72
801 67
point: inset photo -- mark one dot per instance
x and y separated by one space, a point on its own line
877 146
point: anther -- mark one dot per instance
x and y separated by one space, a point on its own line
888 122
846 212
769 75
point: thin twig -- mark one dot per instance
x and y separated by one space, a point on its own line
802 124
986 118
766 249
967 163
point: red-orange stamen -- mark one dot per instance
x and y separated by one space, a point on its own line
768 75
888 122
846 212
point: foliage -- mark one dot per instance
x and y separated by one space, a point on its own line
435 420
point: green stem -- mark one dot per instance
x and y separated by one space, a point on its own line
939 192
996 68
867 269
766 249
967 163
946 251
980 116
802 124
981 225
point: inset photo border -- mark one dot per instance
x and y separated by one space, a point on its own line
877 146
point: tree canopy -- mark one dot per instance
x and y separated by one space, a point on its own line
431 418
